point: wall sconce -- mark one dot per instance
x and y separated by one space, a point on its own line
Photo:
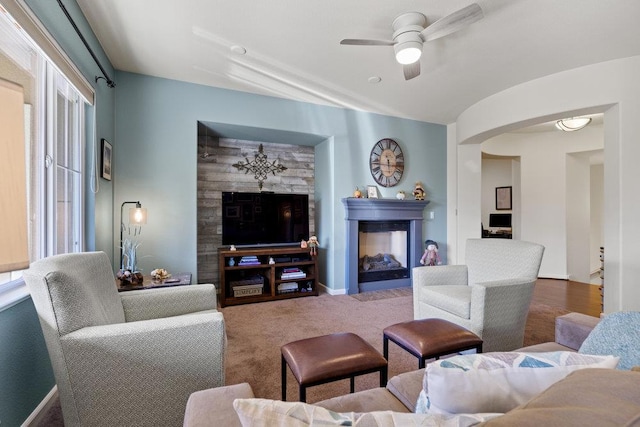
137 217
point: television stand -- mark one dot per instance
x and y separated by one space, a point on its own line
247 276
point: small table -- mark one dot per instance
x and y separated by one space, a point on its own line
327 358
178 279
430 338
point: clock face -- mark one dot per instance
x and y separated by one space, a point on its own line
386 162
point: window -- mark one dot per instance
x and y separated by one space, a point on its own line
54 144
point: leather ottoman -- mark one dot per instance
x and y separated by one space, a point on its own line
327 358
430 338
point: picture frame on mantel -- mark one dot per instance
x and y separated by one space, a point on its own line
503 198
372 192
107 152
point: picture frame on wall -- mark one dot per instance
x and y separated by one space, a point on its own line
503 198
107 152
372 192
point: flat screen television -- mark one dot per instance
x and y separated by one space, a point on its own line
500 220
263 219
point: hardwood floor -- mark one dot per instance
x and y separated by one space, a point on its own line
573 296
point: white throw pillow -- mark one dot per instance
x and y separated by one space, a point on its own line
499 381
269 413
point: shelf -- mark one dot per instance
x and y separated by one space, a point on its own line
270 273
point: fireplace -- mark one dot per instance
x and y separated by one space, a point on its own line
383 248
384 242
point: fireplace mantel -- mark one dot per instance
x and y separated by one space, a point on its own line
380 210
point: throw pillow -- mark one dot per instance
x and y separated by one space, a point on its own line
499 381
619 334
269 413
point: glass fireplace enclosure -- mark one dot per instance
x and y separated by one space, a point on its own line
383 250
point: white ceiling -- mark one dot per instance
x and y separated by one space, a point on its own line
293 47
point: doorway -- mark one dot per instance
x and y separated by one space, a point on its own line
558 191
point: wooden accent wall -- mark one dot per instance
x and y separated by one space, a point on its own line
216 174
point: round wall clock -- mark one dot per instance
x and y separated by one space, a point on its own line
386 162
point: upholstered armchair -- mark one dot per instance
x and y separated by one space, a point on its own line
124 359
490 295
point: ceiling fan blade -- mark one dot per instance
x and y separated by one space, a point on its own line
411 70
364 42
452 23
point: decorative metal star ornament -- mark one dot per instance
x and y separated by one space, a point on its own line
260 166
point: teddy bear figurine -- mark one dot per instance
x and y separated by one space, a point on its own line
430 256
418 191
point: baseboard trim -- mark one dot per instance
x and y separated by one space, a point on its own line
554 276
323 289
41 410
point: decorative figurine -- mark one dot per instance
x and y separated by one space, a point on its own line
160 274
418 191
303 244
313 244
400 195
430 256
232 248
357 193
271 260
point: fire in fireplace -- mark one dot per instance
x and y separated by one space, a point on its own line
382 250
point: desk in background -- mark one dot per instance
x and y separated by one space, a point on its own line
498 235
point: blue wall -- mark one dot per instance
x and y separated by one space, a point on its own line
156 161
25 371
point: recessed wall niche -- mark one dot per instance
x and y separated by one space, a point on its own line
216 174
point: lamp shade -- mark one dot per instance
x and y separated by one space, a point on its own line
138 215
14 249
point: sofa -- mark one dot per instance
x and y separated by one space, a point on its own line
606 397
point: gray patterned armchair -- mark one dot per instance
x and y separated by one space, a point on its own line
124 359
490 295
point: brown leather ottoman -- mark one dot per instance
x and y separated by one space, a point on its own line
430 338
327 358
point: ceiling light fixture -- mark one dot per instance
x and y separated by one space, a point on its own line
573 124
408 47
408 53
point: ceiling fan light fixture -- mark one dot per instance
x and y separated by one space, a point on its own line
408 52
573 124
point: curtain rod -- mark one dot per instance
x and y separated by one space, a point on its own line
106 77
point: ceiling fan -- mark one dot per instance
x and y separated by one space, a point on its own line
409 34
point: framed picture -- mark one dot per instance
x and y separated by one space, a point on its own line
503 198
372 192
107 151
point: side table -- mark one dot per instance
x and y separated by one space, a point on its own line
178 279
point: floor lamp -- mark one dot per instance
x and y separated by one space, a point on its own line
137 217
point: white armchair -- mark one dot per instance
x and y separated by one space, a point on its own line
130 358
489 296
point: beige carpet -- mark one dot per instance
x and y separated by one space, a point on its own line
256 332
